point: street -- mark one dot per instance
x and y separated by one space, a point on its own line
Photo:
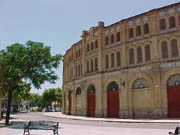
80 127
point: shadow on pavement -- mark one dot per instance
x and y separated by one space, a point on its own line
17 125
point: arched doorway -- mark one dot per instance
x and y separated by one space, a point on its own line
113 100
173 94
91 101
142 100
70 103
78 100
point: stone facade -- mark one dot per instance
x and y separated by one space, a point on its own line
140 54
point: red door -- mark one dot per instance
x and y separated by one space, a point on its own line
91 104
173 94
113 104
70 104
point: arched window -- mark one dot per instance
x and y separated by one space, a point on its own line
118 37
79 52
96 64
107 61
131 56
174 48
162 24
138 31
106 40
87 47
76 70
78 91
172 22
112 60
92 65
140 84
139 55
131 33
79 70
112 39
147 53
91 89
76 54
118 58
92 46
113 86
146 28
87 66
174 80
164 49
96 44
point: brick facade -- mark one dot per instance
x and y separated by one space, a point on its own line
140 54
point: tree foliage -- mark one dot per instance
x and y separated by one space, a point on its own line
52 95
23 65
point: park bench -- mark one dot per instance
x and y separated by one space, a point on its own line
41 125
176 132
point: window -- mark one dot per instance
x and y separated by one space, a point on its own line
87 66
174 80
92 65
96 64
147 53
118 37
79 70
131 33
79 52
91 89
174 48
107 61
96 44
146 28
92 46
106 40
78 91
76 70
139 55
162 24
140 84
118 58
138 31
131 56
113 86
87 47
172 22
164 50
112 39
76 54
112 60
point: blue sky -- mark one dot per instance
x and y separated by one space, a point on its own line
59 23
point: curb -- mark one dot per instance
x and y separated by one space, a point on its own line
117 121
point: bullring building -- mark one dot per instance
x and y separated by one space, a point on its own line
130 69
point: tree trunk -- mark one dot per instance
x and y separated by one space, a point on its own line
9 106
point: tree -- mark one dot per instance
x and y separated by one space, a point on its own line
31 63
52 95
59 96
35 100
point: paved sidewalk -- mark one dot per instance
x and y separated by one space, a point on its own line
60 115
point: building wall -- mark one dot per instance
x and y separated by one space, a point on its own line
149 102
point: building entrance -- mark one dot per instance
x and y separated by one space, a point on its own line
173 94
91 101
113 100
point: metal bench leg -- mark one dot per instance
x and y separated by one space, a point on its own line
55 131
26 130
